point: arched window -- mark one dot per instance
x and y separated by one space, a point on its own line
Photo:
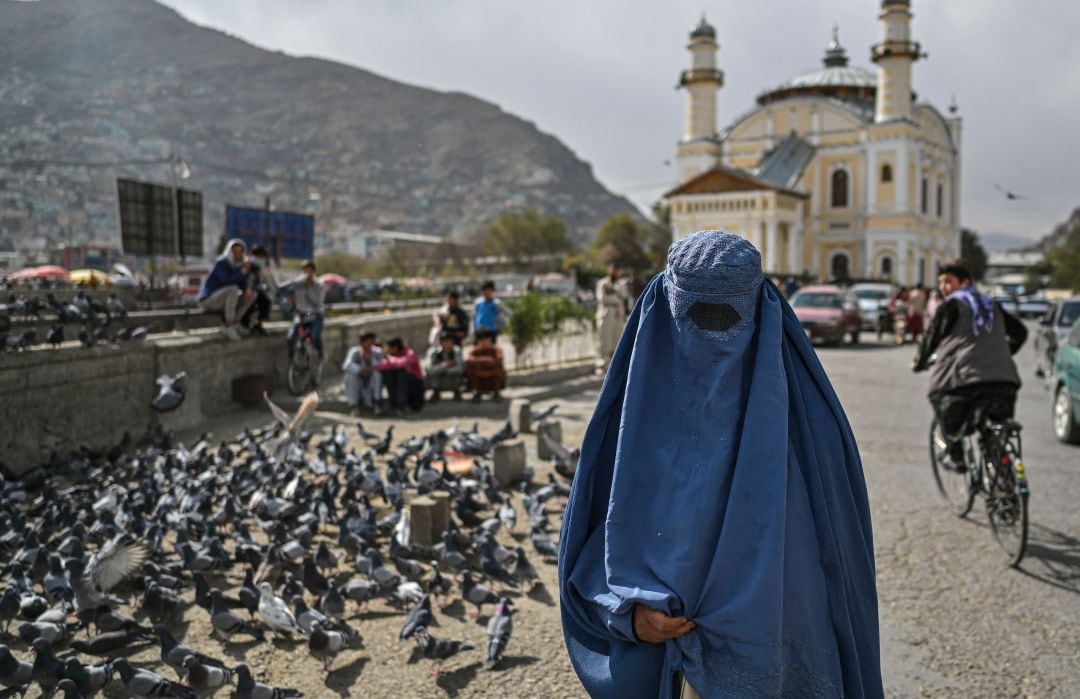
886 267
839 189
924 194
838 266
886 173
940 199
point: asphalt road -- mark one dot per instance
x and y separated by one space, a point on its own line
956 621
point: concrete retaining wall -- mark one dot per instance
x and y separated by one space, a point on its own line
56 400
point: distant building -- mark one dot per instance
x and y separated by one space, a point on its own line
369 244
89 255
837 172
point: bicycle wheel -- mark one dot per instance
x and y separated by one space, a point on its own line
954 486
1007 506
300 370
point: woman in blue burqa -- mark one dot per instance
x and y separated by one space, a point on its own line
717 538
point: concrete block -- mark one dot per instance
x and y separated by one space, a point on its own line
420 529
553 429
510 462
440 514
521 415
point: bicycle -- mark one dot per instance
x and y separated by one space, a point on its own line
306 366
994 468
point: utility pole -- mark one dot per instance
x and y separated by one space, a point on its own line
173 161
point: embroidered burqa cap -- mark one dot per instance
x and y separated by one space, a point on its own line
719 480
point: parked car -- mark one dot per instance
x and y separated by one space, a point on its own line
1067 388
1053 328
827 313
1032 307
872 297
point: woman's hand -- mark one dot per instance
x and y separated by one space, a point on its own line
652 626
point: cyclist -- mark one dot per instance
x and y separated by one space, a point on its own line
308 298
974 340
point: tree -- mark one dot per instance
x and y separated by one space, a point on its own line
631 243
528 239
973 251
1064 263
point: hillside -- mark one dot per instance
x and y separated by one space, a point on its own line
107 81
1057 237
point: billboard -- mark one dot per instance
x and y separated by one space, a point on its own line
147 220
283 233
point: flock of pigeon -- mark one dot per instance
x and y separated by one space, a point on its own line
102 553
94 318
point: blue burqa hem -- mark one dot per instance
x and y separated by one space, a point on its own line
719 479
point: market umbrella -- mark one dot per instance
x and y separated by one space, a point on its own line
45 272
84 276
331 279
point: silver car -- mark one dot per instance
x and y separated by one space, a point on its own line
1053 329
872 297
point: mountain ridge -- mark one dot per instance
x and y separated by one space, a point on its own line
119 80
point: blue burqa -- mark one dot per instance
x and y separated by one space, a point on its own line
719 480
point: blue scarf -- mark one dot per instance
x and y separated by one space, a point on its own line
719 480
981 305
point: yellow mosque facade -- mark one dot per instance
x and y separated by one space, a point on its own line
838 173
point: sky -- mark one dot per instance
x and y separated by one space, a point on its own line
600 74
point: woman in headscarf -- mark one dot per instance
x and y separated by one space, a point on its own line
717 539
225 289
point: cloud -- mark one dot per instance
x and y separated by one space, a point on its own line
600 75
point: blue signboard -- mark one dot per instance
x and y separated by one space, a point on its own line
283 233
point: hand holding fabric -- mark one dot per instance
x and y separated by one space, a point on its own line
652 626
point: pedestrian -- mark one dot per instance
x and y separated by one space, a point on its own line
308 296
484 367
445 368
402 376
225 289
490 313
363 380
260 280
917 301
717 538
611 305
452 319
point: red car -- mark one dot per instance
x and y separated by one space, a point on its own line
827 313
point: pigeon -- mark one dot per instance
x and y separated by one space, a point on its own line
225 623
507 515
499 629
87 679
55 336
439 649
274 612
56 583
171 392
47 669
543 544
115 307
9 607
248 688
205 679
332 603
306 617
437 584
325 644
476 594
114 563
173 653
86 339
13 672
523 571
143 683
418 618
544 414
107 644
361 592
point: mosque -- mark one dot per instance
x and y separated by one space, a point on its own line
836 173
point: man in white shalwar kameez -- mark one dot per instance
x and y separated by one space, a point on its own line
611 308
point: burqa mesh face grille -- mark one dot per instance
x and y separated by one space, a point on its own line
714 317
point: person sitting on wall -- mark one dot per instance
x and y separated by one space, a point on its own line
453 319
363 380
446 368
402 376
261 281
484 366
225 288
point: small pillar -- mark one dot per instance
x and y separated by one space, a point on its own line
521 415
420 516
440 513
553 430
509 462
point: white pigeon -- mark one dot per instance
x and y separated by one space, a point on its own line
274 612
409 593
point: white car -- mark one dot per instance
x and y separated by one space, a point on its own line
872 296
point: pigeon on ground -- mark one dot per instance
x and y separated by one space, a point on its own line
13 672
306 617
171 392
143 683
439 649
332 603
523 571
248 688
174 653
88 679
325 644
226 624
361 592
55 336
115 307
476 594
499 629
418 618
106 645
47 669
274 612
205 679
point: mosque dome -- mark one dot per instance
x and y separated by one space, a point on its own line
834 79
703 28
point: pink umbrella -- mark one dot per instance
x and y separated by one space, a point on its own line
46 272
331 279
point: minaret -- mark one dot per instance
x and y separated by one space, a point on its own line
894 56
699 148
